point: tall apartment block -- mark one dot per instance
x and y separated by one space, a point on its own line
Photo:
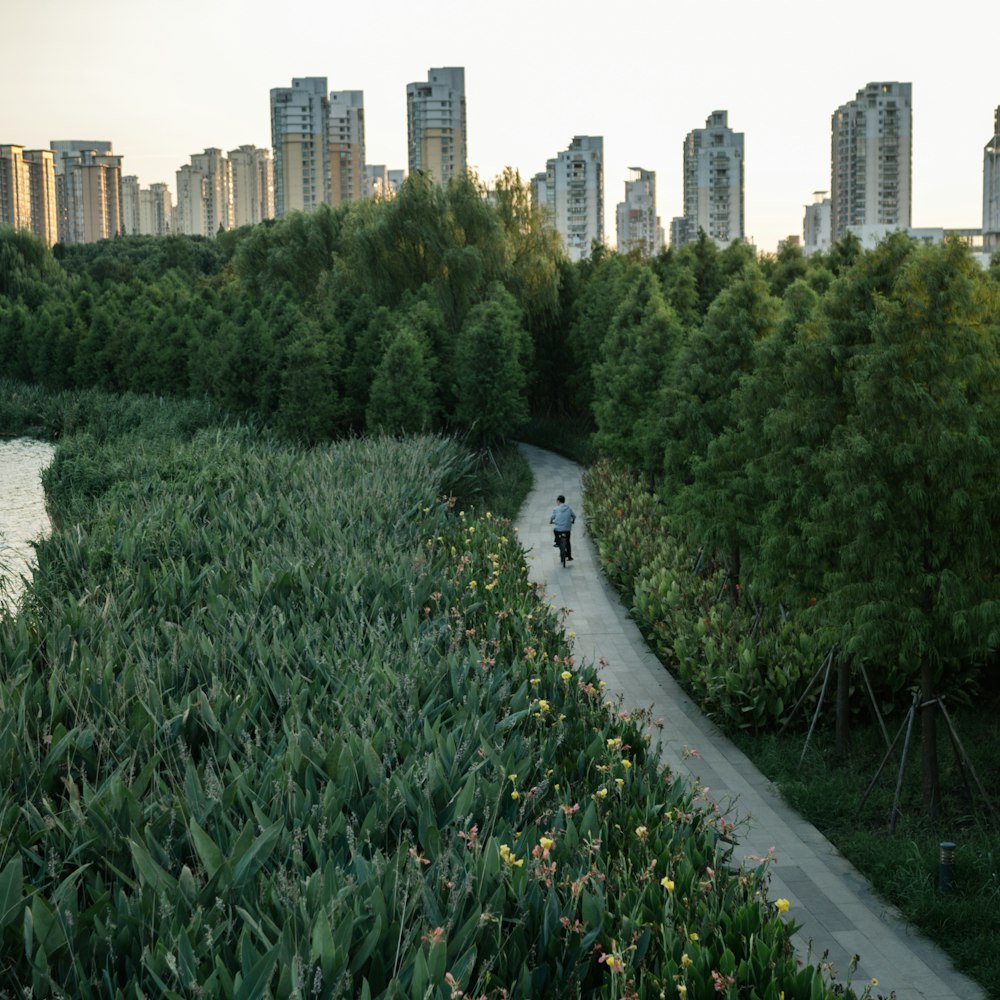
816 224
871 166
346 153
88 190
381 182
205 194
435 124
130 205
991 189
28 191
570 194
713 182
253 185
300 138
156 211
638 224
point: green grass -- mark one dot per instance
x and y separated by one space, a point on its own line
903 866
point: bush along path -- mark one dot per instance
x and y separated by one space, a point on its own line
840 923
285 723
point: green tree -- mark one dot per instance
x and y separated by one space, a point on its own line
911 477
310 403
402 393
712 427
603 285
492 355
635 358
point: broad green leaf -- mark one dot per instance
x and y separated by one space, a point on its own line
11 891
206 848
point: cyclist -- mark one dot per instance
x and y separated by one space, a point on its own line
562 521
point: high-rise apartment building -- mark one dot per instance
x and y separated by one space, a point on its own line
156 211
88 190
396 179
28 191
638 224
300 140
435 124
991 189
713 182
253 185
871 167
570 194
42 184
205 194
816 224
346 153
130 205
377 180
15 188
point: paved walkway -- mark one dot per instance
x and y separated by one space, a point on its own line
835 906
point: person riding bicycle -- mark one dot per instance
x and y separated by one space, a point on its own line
562 521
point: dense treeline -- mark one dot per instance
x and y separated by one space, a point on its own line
827 433
435 310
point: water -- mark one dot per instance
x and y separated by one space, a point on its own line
22 512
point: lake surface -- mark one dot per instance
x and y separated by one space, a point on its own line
22 511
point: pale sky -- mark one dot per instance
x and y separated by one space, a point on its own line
163 81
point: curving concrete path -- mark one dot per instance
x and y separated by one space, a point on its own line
837 910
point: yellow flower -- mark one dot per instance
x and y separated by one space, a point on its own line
874 982
547 843
781 905
626 763
641 832
515 795
667 883
572 635
543 705
489 516
602 793
619 782
512 777
536 680
682 990
692 936
508 857
686 961
473 585
566 675
613 743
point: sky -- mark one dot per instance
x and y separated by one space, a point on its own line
164 81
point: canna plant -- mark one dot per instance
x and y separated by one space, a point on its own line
285 722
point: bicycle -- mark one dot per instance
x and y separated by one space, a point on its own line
562 540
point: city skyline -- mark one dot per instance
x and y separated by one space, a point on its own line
640 77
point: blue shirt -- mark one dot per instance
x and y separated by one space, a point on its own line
562 517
